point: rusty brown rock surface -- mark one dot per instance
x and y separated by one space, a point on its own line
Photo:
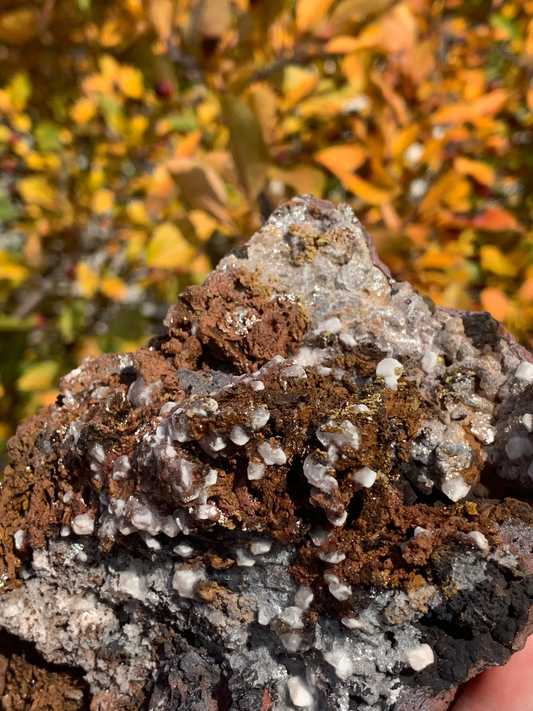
313 491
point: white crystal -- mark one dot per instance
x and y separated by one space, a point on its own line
341 662
420 657
390 370
271 455
261 547
294 371
18 538
334 557
299 692
83 525
186 579
184 549
304 597
455 488
365 476
331 325
292 616
524 372
238 436
527 421
255 471
317 475
337 589
429 361
347 340
244 559
480 540
259 417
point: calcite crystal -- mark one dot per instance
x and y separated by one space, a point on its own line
313 491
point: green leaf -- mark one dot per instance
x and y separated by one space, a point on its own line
8 212
47 136
247 145
72 321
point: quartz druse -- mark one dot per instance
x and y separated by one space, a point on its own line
314 490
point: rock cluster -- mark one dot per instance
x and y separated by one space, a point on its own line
313 491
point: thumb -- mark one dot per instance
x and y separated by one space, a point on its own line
507 688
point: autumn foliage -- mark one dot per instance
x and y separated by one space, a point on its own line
142 139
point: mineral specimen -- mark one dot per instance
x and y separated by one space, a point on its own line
313 491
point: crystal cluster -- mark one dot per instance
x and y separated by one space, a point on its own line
312 491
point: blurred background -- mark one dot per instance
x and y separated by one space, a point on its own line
140 140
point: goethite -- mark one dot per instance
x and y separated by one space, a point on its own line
313 491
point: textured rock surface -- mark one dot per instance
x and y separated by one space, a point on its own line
314 491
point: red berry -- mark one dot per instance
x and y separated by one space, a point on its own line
164 89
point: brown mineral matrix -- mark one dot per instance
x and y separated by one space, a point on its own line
313 491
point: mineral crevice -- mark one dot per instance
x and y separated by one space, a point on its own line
313 491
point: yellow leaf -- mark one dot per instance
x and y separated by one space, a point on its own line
10 270
5 133
114 288
19 26
111 33
21 122
346 157
102 201
309 13
168 248
161 14
496 302
493 260
136 211
303 179
265 104
19 91
87 280
135 241
131 82
249 150
298 82
204 225
83 110
39 376
456 296
482 172
35 190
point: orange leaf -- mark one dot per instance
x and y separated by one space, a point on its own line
526 290
368 192
482 172
486 105
19 26
188 146
345 157
343 44
309 13
495 302
114 288
495 219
